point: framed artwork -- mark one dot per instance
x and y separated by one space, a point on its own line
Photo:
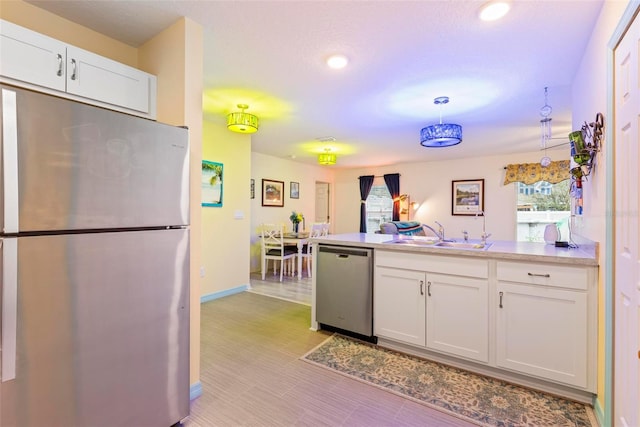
272 193
253 188
467 197
294 190
212 181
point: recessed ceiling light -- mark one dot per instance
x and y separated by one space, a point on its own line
494 10
337 61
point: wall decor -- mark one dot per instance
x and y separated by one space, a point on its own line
272 193
294 190
467 197
212 180
253 188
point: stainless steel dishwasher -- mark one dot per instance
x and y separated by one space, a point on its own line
344 289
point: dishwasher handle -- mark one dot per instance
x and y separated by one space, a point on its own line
344 252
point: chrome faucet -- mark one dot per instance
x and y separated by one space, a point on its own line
440 230
484 236
465 235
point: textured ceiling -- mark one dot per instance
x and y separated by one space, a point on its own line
270 55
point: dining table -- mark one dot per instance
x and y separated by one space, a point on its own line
299 240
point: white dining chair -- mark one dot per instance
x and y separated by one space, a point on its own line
325 228
317 230
273 248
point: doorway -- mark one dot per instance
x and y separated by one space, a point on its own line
322 202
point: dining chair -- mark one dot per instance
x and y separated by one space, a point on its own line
325 228
317 230
273 248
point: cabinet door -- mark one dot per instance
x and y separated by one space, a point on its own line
458 316
399 305
93 76
543 331
31 57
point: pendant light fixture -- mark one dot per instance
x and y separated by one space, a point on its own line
441 135
242 122
327 158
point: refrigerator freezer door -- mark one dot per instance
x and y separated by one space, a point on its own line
82 167
102 330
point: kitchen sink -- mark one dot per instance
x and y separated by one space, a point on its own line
427 241
413 241
463 245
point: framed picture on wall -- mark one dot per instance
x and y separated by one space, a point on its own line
212 180
467 197
294 190
252 190
272 193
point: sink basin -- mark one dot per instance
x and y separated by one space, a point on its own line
413 241
422 241
463 245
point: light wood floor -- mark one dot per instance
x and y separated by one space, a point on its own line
251 374
290 289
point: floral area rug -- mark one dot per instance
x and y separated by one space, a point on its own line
475 398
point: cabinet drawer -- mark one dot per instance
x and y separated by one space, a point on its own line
445 264
543 274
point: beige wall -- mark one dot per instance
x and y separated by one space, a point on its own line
590 96
275 168
175 56
429 183
225 230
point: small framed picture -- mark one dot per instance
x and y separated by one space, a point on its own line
467 197
294 190
272 193
252 190
212 184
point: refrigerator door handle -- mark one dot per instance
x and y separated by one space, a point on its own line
9 248
10 161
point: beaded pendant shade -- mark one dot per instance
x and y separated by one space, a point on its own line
442 134
242 122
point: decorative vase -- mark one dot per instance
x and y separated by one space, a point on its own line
295 227
551 233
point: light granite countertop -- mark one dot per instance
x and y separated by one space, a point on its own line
585 254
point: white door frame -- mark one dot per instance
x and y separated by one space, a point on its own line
625 21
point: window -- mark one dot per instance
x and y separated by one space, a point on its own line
379 206
541 204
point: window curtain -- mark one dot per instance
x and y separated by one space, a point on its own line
530 173
366 182
393 185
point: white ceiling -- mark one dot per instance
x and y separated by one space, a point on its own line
270 55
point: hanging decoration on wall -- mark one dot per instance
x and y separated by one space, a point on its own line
585 144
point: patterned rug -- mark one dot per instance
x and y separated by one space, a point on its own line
475 398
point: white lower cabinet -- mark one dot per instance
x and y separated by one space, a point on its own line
542 329
529 318
399 305
458 316
442 312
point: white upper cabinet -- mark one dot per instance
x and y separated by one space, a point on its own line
39 62
96 77
32 57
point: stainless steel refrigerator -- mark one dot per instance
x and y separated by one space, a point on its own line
95 266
